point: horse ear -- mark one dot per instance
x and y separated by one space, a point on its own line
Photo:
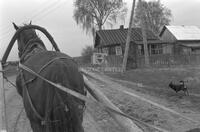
15 26
30 22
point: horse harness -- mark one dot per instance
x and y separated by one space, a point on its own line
44 120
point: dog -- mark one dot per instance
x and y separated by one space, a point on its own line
179 87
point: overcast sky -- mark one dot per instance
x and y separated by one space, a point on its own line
57 17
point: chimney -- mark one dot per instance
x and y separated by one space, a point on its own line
121 27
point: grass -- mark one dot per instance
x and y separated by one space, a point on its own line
162 77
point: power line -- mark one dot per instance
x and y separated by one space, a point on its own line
50 11
40 11
45 11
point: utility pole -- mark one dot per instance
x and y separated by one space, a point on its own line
128 38
3 126
144 35
144 38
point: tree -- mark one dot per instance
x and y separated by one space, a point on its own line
153 14
93 14
87 54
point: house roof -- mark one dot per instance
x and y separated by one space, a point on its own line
118 36
183 32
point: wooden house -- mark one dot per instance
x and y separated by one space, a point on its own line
181 39
113 41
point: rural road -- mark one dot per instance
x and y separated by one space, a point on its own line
16 117
156 111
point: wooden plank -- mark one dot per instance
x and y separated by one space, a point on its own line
124 122
2 103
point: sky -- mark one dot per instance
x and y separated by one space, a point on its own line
57 17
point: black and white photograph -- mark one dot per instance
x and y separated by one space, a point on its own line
99 65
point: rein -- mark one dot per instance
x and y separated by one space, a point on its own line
87 99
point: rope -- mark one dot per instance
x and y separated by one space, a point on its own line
17 120
9 81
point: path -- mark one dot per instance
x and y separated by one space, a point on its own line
152 109
16 117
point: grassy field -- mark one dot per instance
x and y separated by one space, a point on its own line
162 77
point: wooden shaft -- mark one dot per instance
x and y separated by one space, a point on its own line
3 126
125 123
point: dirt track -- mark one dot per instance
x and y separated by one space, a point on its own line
16 117
150 108
97 120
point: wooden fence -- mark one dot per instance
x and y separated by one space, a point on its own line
113 63
167 60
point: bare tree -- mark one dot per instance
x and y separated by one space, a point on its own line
93 14
155 14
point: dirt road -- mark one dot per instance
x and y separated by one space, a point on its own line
129 99
95 118
16 117
152 109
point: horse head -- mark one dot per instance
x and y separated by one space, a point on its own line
24 38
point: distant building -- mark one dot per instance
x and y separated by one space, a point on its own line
181 39
113 41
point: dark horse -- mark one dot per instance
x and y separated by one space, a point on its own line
48 108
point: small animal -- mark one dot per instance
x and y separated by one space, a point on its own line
179 87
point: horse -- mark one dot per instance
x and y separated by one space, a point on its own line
48 108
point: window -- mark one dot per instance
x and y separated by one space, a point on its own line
105 50
156 49
118 50
140 50
99 50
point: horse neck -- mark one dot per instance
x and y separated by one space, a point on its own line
32 47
